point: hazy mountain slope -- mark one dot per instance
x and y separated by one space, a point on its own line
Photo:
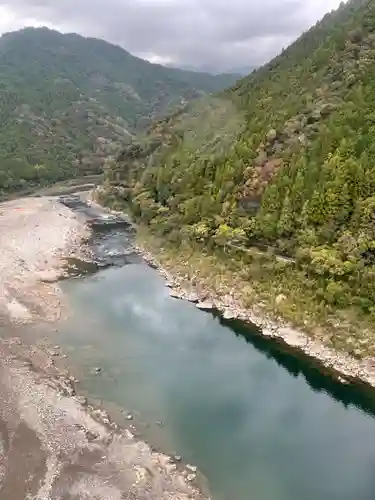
68 101
237 73
285 158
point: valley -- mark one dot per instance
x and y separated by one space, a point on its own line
67 103
187 270
125 363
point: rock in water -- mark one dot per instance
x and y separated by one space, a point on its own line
205 306
175 294
193 297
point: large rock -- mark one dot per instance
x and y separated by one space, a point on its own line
228 314
175 294
193 297
271 135
205 306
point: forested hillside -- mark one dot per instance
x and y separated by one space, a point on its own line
284 160
67 102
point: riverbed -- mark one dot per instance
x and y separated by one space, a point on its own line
258 422
54 444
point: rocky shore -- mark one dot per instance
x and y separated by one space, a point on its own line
341 366
344 368
37 235
53 443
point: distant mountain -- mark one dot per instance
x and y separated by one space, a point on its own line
212 70
67 102
243 70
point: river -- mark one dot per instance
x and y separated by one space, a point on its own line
259 423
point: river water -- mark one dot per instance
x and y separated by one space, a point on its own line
259 423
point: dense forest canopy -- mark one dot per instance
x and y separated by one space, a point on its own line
68 102
284 159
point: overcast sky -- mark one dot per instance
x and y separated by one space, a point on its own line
221 33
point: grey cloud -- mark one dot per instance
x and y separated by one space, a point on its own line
220 33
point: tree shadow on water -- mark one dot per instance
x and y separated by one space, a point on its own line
319 378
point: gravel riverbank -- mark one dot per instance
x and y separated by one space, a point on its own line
53 444
36 235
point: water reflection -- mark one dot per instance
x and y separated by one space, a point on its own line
259 422
297 364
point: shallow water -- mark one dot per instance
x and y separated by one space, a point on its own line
258 423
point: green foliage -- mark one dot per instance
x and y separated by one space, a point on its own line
284 159
67 103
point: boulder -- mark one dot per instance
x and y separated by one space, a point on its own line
272 135
175 294
228 314
205 306
193 297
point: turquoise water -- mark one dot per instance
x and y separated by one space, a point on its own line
259 424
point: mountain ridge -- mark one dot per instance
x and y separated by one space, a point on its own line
237 72
68 102
282 159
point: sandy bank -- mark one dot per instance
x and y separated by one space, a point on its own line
53 445
35 235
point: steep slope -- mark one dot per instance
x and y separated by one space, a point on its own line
283 159
67 102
